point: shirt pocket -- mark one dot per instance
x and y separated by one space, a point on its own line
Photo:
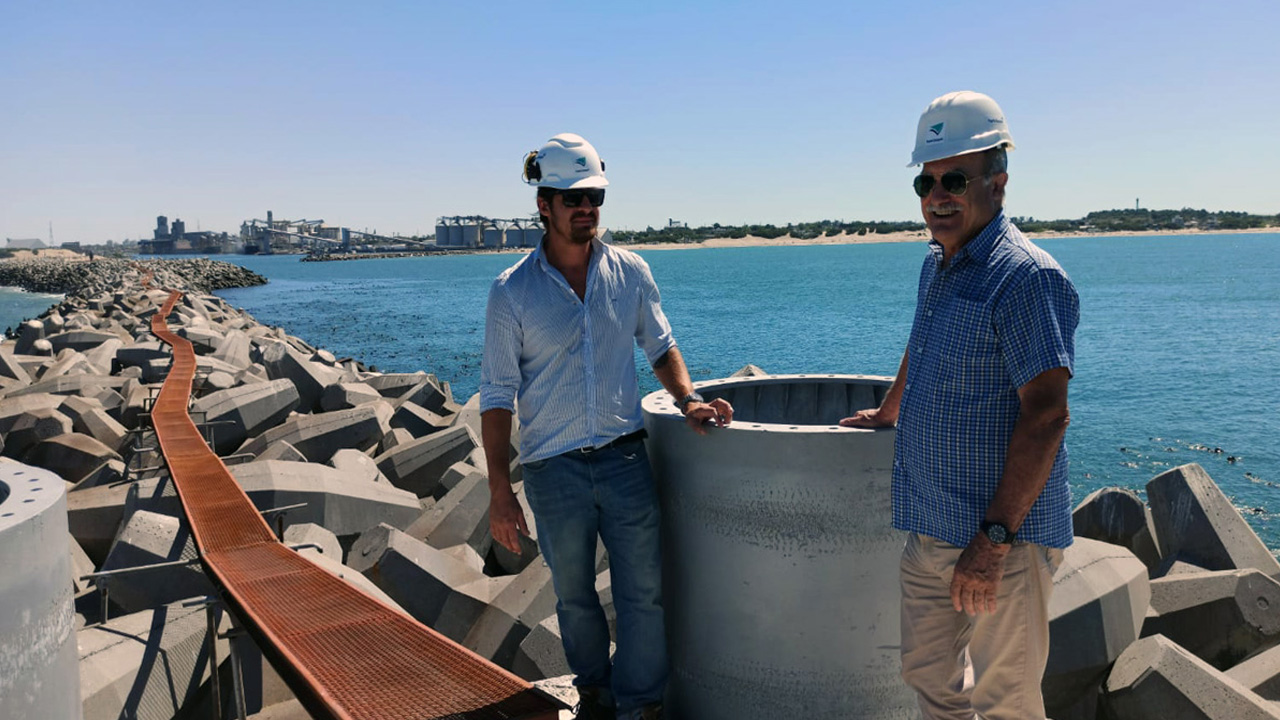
969 354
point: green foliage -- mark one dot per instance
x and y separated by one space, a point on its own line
1102 221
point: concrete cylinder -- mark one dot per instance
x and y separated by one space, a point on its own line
780 562
39 663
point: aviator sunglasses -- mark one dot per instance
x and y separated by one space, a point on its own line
573 198
953 181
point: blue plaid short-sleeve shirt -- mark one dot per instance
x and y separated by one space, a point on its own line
999 314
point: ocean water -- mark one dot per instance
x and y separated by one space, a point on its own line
17 305
1177 354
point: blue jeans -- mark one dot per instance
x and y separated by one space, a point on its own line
575 497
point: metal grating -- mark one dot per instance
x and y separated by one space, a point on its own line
346 655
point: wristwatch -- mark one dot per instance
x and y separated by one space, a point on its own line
997 533
683 402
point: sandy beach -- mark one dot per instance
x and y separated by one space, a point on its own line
914 236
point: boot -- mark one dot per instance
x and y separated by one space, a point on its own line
593 704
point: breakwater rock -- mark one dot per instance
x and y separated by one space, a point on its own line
87 278
1167 608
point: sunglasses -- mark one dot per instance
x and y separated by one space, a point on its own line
953 181
574 198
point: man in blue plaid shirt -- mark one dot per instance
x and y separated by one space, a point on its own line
980 403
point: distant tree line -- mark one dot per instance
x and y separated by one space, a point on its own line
1102 221
803 231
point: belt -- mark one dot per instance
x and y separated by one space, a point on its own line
620 440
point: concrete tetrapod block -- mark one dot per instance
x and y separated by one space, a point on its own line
541 653
247 410
80 340
341 396
1220 617
357 464
393 385
1260 673
1155 679
281 450
150 664
335 500
13 408
71 385
147 539
97 424
310 533
11 368
32 428
431 395
1100 594
142 353
282 361
418 420
1112 515
397 437
461 516
72 456
67 362
100 357
1194 521
527 601
433 587
234 349
417 465
319 436
28 333
81 565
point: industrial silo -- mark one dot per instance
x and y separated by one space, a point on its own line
492 236
442 233
514 235
533 235
455 234
470 233
780 562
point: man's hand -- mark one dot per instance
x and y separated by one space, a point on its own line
718 411
870 418
976 579
506 518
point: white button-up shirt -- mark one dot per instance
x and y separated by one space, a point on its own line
570 363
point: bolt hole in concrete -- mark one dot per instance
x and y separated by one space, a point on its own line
780 564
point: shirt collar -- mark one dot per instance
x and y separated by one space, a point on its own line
539 258
979 248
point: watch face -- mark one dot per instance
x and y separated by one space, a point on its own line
997 534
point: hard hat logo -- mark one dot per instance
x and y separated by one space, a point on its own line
566 162
959 123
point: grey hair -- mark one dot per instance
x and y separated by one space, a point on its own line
995 160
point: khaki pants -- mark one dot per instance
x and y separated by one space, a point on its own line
1007 650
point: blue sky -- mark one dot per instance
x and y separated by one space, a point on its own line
385 115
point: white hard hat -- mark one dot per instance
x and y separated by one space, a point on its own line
959 123
566 162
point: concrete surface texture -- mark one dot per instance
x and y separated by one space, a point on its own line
780 561
39 673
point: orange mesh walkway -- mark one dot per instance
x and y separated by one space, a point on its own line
344 654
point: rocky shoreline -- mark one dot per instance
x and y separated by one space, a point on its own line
1163 610
87 278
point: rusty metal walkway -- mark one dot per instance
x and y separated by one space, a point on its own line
344 654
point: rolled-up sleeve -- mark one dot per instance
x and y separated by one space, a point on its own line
653 332
500 366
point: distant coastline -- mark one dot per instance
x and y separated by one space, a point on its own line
911 236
